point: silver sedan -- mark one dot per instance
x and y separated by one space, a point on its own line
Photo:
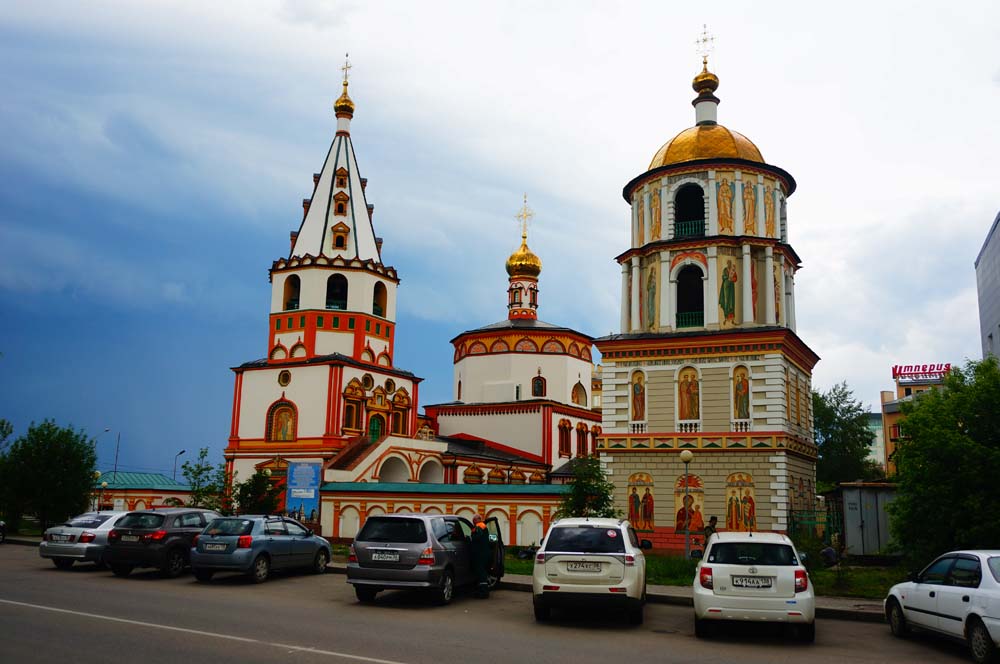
81 539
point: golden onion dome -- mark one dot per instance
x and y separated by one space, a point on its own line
344 104
705 81
707 141
523 263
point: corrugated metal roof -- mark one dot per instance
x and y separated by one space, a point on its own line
121 479
407 487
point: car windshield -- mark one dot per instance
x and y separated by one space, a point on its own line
994 564
141 520
88 520
229 527
585 539
751 553
404 531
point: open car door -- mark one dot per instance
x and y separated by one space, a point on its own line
498 551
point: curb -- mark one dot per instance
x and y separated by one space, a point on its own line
21 541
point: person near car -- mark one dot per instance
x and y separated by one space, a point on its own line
480 555
710 528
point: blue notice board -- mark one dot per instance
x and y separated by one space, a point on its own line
302 499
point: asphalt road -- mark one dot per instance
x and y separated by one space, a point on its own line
87 615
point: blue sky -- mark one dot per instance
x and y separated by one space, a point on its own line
154 158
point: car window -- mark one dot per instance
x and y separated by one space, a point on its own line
190 521
752 553
994 564
382 529
88 520
466 529
274 527
141 520
966 573
295 529
936 572
633 538
585 539
440 529
229 527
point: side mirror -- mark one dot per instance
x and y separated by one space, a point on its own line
803 557
914 577
309 533
696 554
645 544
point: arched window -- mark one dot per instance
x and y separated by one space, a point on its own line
354 396
690 297
292 287
595 433
281 422
689 211
581 439
564 444
538 386
336 292
339 242
379 299
579 394
459 398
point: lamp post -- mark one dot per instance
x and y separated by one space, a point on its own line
175 462
97 476
686 457
100 501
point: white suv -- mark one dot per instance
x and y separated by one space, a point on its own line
754 577
590 561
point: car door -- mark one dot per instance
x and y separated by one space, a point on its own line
186 526
276 542
497 547
302 547
460 538
955 596
920 603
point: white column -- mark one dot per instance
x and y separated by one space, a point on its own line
664 286
625 303
712 301
664 223
738 205
760 205
636 278
783 303
791 302
635 222
647 220
776 202
769 286
713 207
672 311
668 213
747 291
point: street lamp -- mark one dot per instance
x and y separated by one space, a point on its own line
686 457
100 501
97 476
175 462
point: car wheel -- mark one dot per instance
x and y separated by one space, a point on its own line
897 621
635 615
365 594
3 535
542 612
984 651
62 563
119 569
447 590
203 575
261 569
703 628
174 564
492 581
320 561
806 633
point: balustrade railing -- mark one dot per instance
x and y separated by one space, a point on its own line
690 228
741 426
689 426
690 319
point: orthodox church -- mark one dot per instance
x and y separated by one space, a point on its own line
707 358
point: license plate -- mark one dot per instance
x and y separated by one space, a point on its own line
61 538
583 567
752 581
387 557
215 547
130 538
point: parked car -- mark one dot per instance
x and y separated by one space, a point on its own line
155 538
418 551
593 562
83 538
753 577
256 545
957 595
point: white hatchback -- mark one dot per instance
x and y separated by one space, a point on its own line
753 577
590 562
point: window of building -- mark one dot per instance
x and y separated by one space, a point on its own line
691 299
291 323
336 292
302 321
340 204
379 299
292 288
581 439
277 323
319 321
517 393
689 212
336 322
579 394
459 398
378 329
350 323
368 326
538 386
564 442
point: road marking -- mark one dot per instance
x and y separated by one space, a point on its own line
230 637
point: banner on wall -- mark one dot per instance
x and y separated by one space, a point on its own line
302 497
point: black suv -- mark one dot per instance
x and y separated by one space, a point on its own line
156 538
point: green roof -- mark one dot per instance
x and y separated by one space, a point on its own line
121 479
408 487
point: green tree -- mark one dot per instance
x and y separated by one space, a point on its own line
207 482
843 437
49 471
590 494
947 462
257 495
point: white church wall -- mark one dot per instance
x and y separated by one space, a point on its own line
334 342
307 390
522 431
484 377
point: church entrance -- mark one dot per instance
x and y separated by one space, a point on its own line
375 428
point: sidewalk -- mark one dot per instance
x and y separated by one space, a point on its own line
837 608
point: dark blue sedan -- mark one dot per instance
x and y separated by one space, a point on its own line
255 545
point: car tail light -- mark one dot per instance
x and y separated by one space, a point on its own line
87 536
114 535
427 557
629 560
801 580
617 590
550 588
244 542
194 542
705 577
155 536
539 558
352 556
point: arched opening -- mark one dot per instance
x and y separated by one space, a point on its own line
459 397
336 292
538 386
340 242
579 394
376 427
379 299
581 439
529 529
689 211
690 297
394 470
292 287
348 522
432 472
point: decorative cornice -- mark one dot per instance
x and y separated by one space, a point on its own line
704 165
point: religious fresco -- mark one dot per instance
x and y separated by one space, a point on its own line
637 392
724 193
749 208
650 299
741 505
641 231
741 393
778 286
689 504
770 230
730 307
640 502
283 423
688 395
654 213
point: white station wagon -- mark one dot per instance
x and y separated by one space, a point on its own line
753 577
957 595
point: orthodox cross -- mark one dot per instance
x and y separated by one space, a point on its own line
347 66
524 215
704 44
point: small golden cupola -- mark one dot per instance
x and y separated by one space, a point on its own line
523 268
343 108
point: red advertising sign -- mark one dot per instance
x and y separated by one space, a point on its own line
920 371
